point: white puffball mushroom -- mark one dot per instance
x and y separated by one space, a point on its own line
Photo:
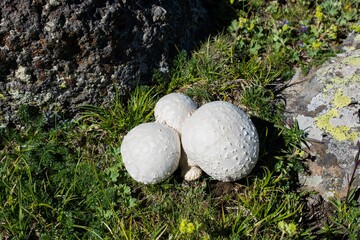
222 140
172 110
151 152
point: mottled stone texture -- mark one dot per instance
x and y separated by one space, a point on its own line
58 54
326 104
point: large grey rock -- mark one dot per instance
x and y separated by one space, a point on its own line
326 104
56 55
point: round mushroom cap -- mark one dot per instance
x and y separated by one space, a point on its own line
173 109
151 152
221 139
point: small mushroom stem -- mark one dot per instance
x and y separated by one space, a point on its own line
193 174
189 173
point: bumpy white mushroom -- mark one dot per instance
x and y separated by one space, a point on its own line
151 152
172 110
221 139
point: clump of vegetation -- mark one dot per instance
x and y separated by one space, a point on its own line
68 182
301 31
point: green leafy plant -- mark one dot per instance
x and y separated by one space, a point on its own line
344 221
292 29
122 115
46 190
262 207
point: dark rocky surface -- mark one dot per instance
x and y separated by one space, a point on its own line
58 54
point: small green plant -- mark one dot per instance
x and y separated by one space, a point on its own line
263 207
289 229
293 30
291 162
187 228
122 115
344 221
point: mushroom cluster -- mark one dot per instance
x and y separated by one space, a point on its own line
217 138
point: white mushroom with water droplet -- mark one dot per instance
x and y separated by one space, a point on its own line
151 152
222 140
173 110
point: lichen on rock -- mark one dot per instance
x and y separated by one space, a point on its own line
340 133
326 105
341 100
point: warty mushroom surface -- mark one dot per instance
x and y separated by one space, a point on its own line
173 109
151 152
222 140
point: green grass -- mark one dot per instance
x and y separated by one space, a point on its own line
68 182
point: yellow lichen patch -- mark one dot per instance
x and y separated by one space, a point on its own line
340 100
338 80
355 78
340 133
328 87
63 85
353 60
